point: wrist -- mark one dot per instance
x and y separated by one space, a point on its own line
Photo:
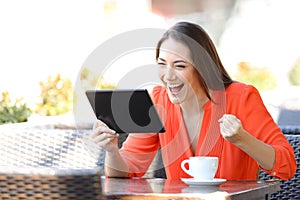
241 138
113 151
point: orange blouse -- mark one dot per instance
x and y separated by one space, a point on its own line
239 99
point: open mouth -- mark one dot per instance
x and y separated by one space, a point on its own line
175 89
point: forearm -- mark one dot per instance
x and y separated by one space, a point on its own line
115 166
262 153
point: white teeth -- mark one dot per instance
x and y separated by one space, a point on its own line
173 85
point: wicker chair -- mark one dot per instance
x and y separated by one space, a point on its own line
290 189
47 164
49 183
45 147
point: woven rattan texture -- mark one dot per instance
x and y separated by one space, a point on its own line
291 130
31 187
50 149
40 147
290 189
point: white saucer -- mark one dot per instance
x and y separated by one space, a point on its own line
195 182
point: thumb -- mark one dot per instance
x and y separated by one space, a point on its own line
97 123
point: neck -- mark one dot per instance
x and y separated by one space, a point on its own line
192 113
194 106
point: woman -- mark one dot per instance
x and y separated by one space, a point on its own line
206 113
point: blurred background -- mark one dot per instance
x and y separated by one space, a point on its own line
44 43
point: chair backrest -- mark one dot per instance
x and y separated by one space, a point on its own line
47 164
44 147
290 189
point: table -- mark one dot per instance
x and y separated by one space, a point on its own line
137 188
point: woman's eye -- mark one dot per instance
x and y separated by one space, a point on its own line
161 64
180 66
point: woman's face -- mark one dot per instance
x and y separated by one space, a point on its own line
177 73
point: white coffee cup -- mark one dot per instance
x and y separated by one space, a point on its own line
201 167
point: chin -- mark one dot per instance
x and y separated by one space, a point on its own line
174 99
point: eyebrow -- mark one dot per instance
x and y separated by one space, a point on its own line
176 61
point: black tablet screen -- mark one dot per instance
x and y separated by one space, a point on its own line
126 111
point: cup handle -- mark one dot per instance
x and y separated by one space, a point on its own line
183 166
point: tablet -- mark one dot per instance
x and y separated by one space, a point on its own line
126 110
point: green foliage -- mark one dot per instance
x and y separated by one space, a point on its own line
56 96
261 78
294 74
13 112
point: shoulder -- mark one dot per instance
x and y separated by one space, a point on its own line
241 89
159 94
238 87
158 90
244 95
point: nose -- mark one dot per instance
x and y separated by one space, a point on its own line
170 74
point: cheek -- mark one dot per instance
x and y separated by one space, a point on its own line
194 79
161 73
185 77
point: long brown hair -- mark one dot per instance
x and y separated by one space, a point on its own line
211 72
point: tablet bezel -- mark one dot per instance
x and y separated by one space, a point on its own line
122 120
